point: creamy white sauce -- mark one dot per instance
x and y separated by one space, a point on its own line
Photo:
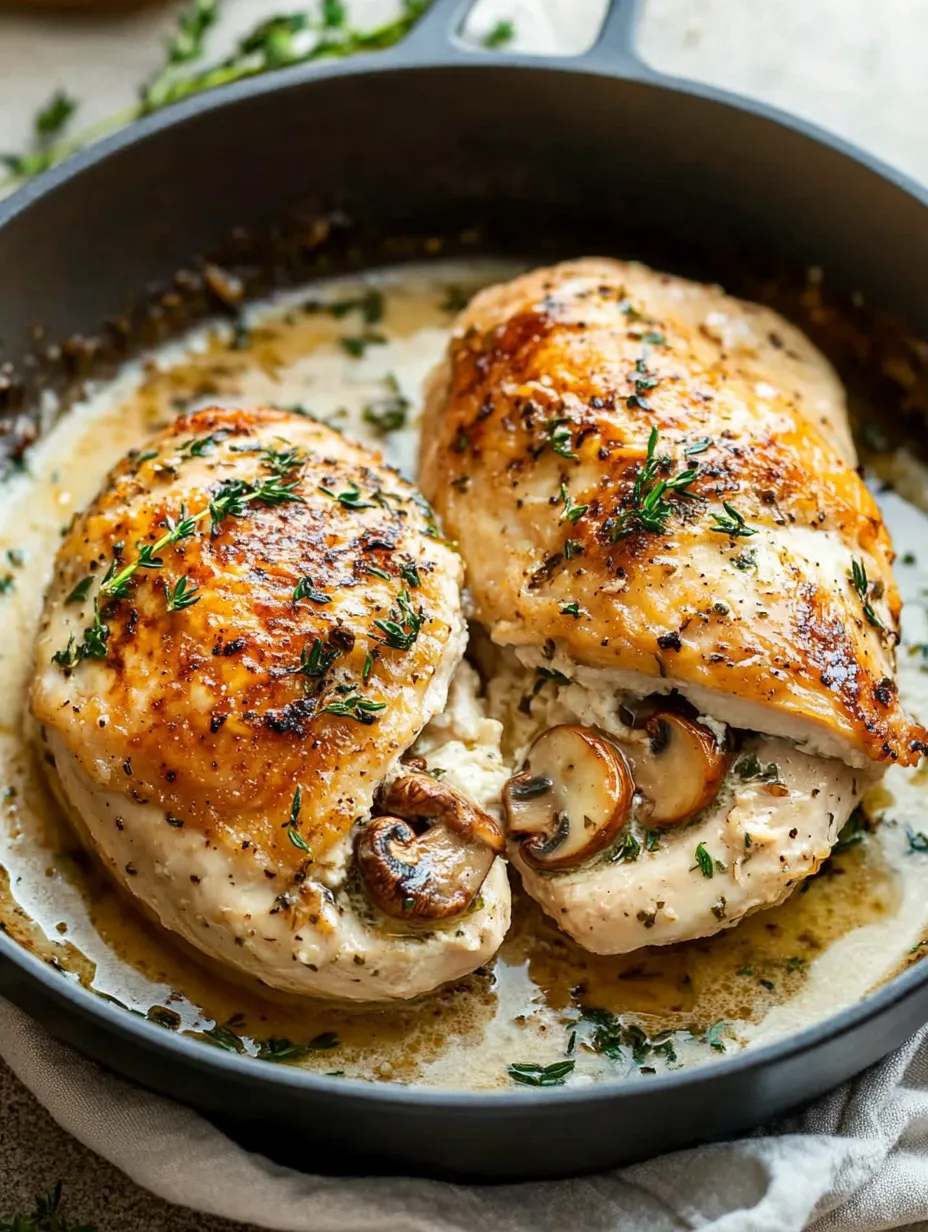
779 970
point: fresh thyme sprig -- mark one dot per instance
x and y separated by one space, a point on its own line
350 498
865 589
292 824
232 499
353 706
733 525
316 661
268 46
183 595
49 122
402 629
650 506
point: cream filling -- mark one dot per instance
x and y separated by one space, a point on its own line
749 849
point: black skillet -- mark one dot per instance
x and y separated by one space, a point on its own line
595 153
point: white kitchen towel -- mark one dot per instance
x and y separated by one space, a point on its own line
856 1161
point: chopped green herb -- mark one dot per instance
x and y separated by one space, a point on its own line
203 446
733 525
865 589
357 346
571 609
7 584
225 1037
852 832
374 571
410 575
918 842
654 338
650 508
572 549
304 589
627 849
370 305
183 595
750 767
573 513
796 963
559 437
368 666
354 706
704 861
697 447
316 661
350 498
455 300
402 629
746 559
714 1035
554 1075
499 35
652 840
292 824
388 414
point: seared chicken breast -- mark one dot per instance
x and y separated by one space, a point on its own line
246 631
652 486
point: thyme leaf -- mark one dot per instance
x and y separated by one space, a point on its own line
304 589
733 525
572 512
865 589
532 1075
292 824
704 861
499 35
183 595
354 706
402 629
651 505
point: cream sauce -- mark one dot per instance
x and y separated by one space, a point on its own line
841 935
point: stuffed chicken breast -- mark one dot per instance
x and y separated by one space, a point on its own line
245 633
652 486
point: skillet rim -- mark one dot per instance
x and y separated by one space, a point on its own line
66 993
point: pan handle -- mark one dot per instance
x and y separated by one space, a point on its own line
433 40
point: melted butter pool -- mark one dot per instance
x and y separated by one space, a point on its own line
355 353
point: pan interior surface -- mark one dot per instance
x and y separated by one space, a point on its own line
544 1000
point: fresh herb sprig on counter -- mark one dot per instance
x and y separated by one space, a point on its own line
277 42
50 122
47 1216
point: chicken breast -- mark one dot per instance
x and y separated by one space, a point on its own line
652 486
246 630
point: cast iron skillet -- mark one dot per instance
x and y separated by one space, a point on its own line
608 156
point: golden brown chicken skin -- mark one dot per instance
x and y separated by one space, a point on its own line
628 486
245 631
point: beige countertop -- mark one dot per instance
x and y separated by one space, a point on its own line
853 66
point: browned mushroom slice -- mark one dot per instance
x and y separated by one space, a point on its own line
438 873
571 798
678 766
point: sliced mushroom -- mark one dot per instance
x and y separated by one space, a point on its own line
431 875
678 766
571 798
